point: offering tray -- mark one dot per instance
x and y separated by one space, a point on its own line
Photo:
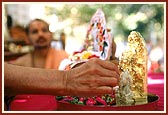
150 106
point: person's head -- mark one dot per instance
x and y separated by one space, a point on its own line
39 34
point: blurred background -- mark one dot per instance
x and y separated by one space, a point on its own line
72 20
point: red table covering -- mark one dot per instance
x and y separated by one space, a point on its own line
48 103
33 103
156 86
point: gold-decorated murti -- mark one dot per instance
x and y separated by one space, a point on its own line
132 88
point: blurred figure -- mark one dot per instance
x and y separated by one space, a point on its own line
17 33
43 56
9 21
59 44
149 45
63 39
156 58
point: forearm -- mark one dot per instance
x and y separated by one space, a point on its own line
25 80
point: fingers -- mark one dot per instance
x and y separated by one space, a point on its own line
95 92
108 81
96 76
106 64
99 91
105 69
106 73
104 90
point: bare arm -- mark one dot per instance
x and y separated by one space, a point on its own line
22 80
95 77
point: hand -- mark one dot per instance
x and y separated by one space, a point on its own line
95 77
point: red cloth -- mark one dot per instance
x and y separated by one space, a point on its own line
33 103
156 86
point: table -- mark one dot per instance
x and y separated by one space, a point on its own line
48 103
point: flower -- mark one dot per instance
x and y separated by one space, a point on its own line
90 101
100 100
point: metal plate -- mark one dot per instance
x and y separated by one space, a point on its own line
150 106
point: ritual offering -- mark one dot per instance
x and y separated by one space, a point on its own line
97 45
98 39
131 94
133 78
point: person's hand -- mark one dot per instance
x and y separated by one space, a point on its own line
95 77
